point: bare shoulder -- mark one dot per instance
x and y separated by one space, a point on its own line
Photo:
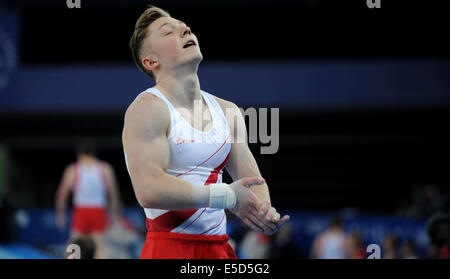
69 169
107 165
224 104
232 112
146 104
147 112
70 166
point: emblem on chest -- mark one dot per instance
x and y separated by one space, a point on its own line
180 140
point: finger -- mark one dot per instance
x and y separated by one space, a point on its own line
263 210
276 217
270 216
250 181
251 225
283 221
260 221
253 216
254 203
266 220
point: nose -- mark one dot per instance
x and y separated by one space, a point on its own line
185 31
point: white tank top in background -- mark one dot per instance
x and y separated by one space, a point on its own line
332 246
89 189
197 157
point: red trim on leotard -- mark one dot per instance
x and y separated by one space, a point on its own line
186 172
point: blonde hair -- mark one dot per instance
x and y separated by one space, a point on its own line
140 31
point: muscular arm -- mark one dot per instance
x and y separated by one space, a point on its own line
65 186
147 149
64 189
113 192
242 163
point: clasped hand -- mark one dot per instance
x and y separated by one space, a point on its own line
258 215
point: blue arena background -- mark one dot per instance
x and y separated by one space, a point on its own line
35 227
285 84
289 84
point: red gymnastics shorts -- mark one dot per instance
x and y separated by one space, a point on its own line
167 245
89 220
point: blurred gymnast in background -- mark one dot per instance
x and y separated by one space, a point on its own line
93 185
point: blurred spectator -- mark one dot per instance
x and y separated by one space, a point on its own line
433 252
281 245
389 247
232 243
121 240
255 246
355 248
236 230
408 250
438 229
332 243
87 246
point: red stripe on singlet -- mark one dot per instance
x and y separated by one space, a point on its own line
221 220
172 219
206 159
213 177
169 220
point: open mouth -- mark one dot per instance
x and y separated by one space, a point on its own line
189 44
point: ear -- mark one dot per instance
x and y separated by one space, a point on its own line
150 63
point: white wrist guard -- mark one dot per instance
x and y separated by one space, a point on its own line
221 196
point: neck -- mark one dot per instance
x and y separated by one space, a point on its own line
86 159
182 88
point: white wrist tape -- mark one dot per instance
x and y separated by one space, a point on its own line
221 196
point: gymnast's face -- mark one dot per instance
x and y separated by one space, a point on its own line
170 44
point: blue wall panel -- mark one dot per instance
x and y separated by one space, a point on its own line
296 84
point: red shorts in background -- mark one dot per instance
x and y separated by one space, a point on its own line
167 245
89 220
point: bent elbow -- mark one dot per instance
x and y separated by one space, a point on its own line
147 198
147 203
147 191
